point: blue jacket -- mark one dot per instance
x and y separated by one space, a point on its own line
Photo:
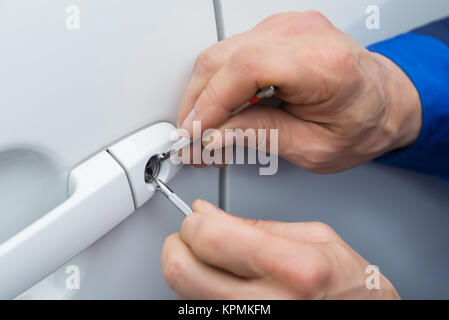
423 54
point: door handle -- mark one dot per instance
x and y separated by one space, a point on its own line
104 190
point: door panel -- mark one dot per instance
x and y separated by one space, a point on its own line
68 94
398 220
73 92
125 263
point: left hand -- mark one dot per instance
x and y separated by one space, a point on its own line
342 105
220 256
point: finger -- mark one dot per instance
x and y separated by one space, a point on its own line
302 231
206 65
253 119
294 139
193 279
200 205
228 243
210 109
249 68
213 58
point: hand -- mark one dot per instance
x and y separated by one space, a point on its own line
220 256
343 105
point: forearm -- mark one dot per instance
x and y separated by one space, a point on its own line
424 57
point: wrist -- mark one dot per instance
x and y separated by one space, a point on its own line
403 106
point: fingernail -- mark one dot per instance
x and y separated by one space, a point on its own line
188 121
210 208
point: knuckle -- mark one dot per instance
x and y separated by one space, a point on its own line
289 15
206 61
319 161
207 236
316 18
310 279
314 277
343 62
322 231
307 22
281 16
257 223
244 59
211 92
344 59
173 270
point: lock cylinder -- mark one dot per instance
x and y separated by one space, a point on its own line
139 155
152 169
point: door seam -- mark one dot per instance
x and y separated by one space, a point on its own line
223 172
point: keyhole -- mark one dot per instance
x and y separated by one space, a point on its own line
152 169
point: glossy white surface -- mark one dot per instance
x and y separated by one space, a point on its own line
134 152
125 263
70 93
398 220
100 200
22 173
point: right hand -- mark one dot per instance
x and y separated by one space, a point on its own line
342 105
220 256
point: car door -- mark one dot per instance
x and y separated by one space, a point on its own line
78 77
397 220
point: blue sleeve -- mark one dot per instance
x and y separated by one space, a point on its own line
423 54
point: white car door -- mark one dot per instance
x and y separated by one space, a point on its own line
77 77
397 220
68 93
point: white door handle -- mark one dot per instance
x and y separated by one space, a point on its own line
101 198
